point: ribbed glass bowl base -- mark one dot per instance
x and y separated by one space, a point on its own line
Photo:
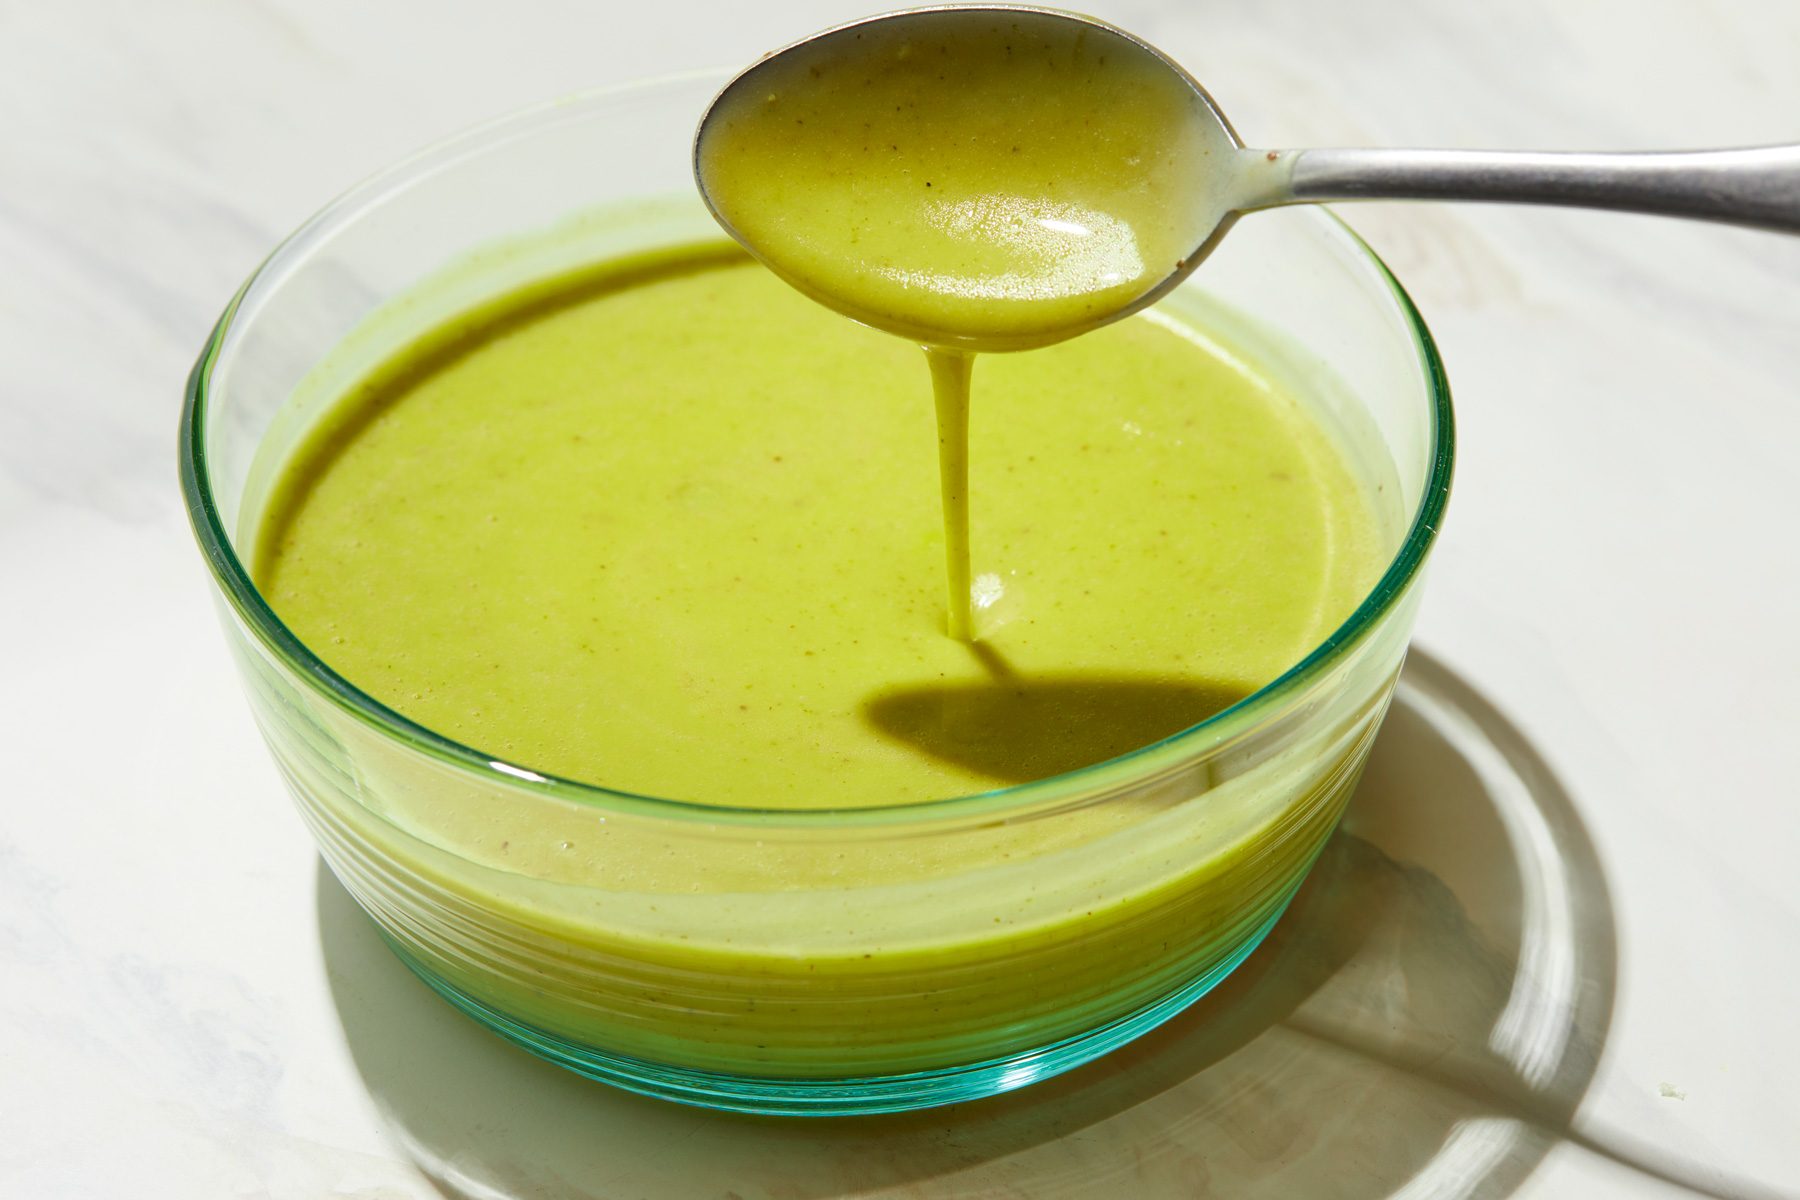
842 1097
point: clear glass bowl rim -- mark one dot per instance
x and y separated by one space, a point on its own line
233 578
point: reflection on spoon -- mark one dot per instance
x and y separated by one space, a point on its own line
1062 250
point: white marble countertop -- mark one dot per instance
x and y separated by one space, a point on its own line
1555 953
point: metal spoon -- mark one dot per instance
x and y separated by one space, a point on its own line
1757 187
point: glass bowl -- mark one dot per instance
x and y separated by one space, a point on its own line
821 961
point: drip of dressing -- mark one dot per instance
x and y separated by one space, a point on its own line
968 181
950 371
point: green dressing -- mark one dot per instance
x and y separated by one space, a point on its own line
668 527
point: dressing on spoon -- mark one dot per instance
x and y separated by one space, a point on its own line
976 179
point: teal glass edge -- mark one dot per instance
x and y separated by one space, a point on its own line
864 1096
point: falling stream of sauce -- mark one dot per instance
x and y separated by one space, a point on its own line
972 181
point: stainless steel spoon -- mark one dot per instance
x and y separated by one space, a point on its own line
1757 187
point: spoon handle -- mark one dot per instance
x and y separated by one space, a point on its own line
1755 186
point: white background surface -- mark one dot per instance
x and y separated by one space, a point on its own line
188 1010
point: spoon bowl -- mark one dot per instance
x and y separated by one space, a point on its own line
984 178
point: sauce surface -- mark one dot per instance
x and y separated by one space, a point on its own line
670 528
967 179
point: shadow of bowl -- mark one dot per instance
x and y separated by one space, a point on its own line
1427 1016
